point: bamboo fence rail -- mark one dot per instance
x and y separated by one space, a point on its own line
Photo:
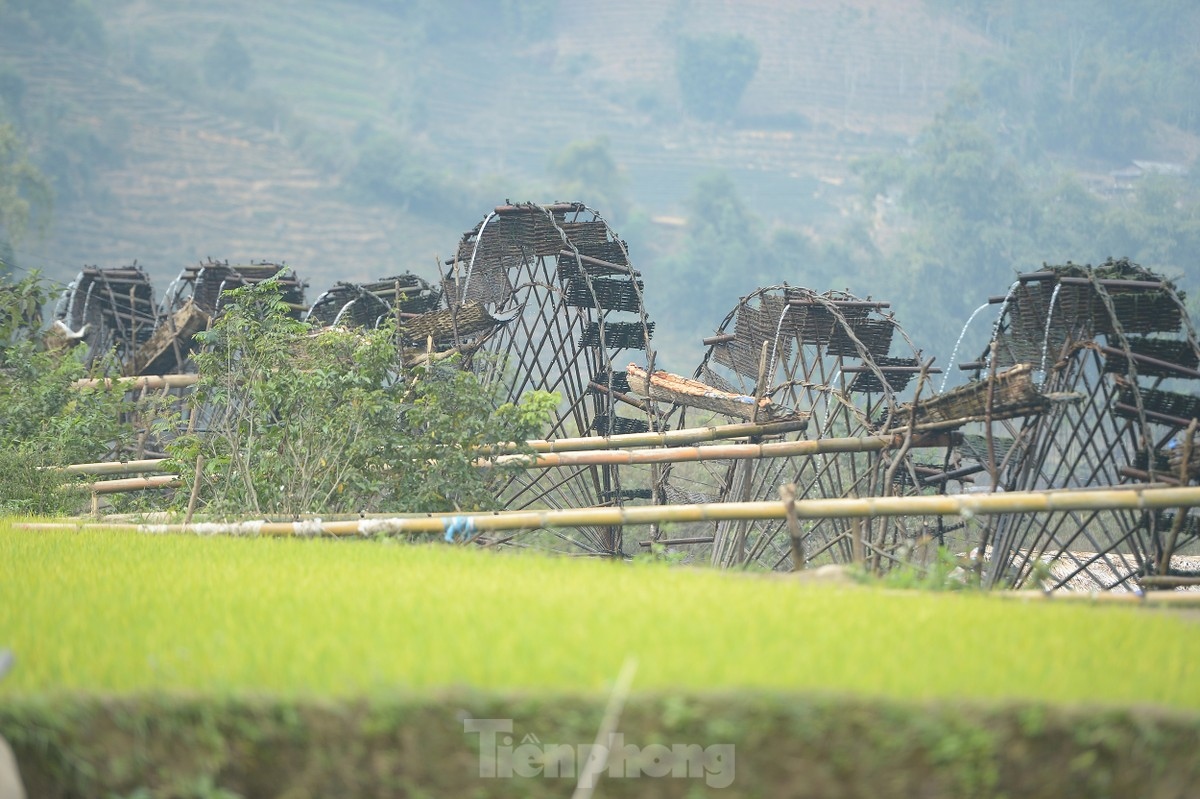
587 445
465 526
134 484
116 467
135 383
671 438
776 449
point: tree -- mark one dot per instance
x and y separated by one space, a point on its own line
44 421
305 421
390 169
1159 229
586 170
713 73
970 219
227 64
25 196
723 257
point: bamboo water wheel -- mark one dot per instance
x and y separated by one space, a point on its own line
205 285
110 310
1114 357
194 298
367 304
544 297
844 363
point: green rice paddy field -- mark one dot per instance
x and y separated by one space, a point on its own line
116 613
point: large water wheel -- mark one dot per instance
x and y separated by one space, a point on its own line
111 311
368 304
545 297
1114 357
844 363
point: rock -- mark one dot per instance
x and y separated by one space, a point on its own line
10 777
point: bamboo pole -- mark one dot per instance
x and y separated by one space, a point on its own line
598 450
135 484
116 467
138 383
677 542
1169 581
1132 498
775 449
671 438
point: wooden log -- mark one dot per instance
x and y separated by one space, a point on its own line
173 339
667 387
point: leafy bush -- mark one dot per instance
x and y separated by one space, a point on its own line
294 420
44 421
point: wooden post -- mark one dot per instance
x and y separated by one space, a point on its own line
191 508
787 493
748 469
1164 566
993 469
856 541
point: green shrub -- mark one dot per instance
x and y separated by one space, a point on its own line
293 420
45 422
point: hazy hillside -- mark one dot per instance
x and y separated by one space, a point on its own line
196 182
459 105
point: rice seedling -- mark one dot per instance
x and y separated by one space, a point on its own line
119 612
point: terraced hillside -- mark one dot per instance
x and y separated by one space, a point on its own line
837 79
196 184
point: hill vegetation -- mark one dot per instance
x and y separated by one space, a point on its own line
862 145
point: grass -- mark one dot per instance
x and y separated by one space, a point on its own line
113 612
